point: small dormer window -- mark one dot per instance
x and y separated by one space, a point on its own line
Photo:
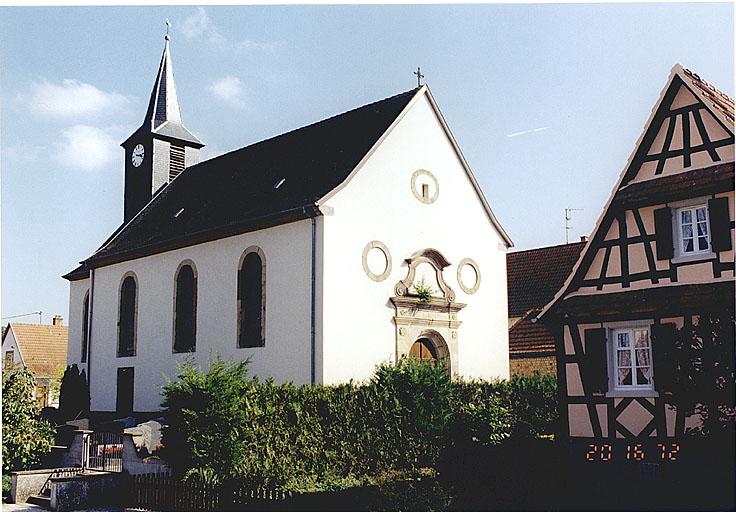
693 230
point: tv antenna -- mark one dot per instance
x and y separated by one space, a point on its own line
568 218
39 313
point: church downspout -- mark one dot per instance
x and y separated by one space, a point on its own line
314 301
89 330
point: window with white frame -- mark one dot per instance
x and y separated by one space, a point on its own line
632 358
693 233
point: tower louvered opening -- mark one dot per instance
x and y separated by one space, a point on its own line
176 161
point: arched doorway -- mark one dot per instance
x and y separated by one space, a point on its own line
423 349
431 346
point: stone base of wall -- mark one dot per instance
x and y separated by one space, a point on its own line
528 365
88 490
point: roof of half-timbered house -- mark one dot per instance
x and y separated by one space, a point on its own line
686 149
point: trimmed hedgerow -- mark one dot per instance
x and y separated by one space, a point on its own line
222 424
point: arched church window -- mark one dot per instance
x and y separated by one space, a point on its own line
252 299
127 316
185 309
85 326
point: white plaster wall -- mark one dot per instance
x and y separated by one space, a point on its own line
378 204
286 356
77 291
9 343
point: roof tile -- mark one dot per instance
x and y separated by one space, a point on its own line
535 275
43 347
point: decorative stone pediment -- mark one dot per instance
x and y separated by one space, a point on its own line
433 261
417 317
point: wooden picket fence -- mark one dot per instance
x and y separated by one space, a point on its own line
161 492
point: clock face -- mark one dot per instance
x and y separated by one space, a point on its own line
137 156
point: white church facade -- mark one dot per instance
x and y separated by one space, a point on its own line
318 254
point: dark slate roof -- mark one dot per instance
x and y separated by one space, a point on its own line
236 192
528 338
81 272
163 116
534 276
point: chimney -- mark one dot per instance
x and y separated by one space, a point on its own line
58 320
583 238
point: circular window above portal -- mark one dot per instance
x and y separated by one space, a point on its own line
424 186
468 276
376 260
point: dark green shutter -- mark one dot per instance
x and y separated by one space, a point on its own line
720 224
663 340
596 367
663 233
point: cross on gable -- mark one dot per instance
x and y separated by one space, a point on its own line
419 76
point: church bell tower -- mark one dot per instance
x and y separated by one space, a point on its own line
162 147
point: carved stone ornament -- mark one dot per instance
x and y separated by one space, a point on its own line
437 261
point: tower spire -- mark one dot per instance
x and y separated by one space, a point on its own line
163 115
162 147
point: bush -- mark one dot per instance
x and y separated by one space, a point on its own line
223 425
26 437
533 402
410 413
205 432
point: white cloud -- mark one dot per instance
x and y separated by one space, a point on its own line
200 25
534 130
88 147
71 99
230 90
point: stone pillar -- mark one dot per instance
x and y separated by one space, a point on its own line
75 454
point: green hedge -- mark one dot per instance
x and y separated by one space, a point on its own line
222 424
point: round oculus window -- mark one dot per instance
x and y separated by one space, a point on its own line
468 276
376 260
424 186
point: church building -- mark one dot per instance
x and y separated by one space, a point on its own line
318 254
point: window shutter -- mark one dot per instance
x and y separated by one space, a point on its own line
720 224
663 233
596 371
663 340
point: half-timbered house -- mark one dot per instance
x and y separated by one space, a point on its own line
660 256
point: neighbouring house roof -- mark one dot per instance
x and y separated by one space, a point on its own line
529 338
535 275
42 347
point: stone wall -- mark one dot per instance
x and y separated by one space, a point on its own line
84 491
528 365
27 483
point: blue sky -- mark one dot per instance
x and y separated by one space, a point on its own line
546 102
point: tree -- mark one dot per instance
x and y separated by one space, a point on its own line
74 394
26 437
703 372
